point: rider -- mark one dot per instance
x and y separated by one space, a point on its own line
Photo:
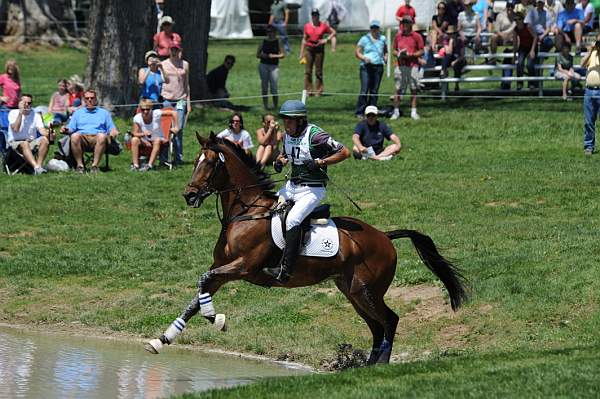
310 149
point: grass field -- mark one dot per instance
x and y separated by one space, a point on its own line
502 187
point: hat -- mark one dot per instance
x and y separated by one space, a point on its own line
76 80
315 11
176 45
293 109
407 19
375 24
371 109
149 54
165 20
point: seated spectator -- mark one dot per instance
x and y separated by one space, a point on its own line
482 8
269 51
588 15
369 135
523 6
503 30
453 8
59 104
147 132
525 44
23 128
151 78
269 136
436 33
237 134
454 55
553 7
469 26
540 20
91 129
217 81
570 26
75 88
564 70
10 82
405 9
166 38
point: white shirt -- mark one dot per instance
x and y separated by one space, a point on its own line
589 9
152 127
30 124
242 138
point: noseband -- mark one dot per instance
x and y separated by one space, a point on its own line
207 189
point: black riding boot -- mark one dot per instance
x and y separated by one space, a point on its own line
290 253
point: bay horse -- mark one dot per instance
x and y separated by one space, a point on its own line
362 269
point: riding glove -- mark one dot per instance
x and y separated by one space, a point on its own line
311 165
278 166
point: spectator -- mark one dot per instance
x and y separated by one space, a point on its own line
177 92
217 80
166 38
313 47
160 11
372 52
75 88
269 52
279 18
91 129
591 99
369 135
23 126
454 54
453 8
481 7
523 6
469 26
237 134
437 32
540 20
59 104
588 15
525 43
269 136
408 47
337 15
10 82
564 70
147 132
553 7
570 26
151 78
405 9
503 27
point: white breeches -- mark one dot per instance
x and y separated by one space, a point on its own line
306 199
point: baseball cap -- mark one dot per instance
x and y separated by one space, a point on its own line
149 54
371 109
375 24
166 20
314 11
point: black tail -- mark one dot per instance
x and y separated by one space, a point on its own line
450 275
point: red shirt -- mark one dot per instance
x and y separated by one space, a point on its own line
163 42
412 43
10 89
406 10
315 33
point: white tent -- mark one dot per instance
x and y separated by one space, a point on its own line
230 19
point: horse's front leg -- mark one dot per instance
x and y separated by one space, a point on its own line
208 285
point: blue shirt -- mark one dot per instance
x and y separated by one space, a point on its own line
372 49
91 122
480 8
152 86
373 136
565 15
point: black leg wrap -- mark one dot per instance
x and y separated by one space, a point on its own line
191 310
211 319
164 339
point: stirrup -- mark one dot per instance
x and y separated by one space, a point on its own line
278 273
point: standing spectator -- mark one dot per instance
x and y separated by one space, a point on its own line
269 52
469 26
23 126
59 104
588 15
75 88
570 26
151 78
217 81
91 129
405 9
237 134
453 8
540 20
454 54
369 135
279 18
160 11
313 48
408 47
372 52
10 82
503 27
437 32
591 99
166 38
268 136
564 70
147 132
525 44
177 92
336 16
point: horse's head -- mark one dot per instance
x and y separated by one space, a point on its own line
209 171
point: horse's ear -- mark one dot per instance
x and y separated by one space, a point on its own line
201 139
212 136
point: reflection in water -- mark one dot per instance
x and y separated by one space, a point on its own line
55 366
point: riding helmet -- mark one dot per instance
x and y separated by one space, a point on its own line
293 108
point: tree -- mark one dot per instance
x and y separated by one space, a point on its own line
120 32
192 22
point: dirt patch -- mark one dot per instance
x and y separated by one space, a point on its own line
429 302
453 336
19 234
503 203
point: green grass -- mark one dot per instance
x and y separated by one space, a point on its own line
500 185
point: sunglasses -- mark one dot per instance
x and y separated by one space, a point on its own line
371 115
146 109
235 120
89 98
27 102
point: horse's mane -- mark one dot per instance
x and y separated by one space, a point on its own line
263 180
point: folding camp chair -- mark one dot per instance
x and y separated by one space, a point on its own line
64 153
167 153
13 161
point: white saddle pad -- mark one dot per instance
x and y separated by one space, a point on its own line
322 240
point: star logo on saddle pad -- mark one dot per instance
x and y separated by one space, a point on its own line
326 244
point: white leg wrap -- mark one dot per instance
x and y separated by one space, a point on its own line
206 306
174 329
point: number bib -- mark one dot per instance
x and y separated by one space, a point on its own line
298 148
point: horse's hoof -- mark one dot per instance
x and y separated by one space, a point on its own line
153 346
220 322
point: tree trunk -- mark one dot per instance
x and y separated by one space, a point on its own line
120 32
192 22
49 22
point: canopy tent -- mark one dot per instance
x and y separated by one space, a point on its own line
230 19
